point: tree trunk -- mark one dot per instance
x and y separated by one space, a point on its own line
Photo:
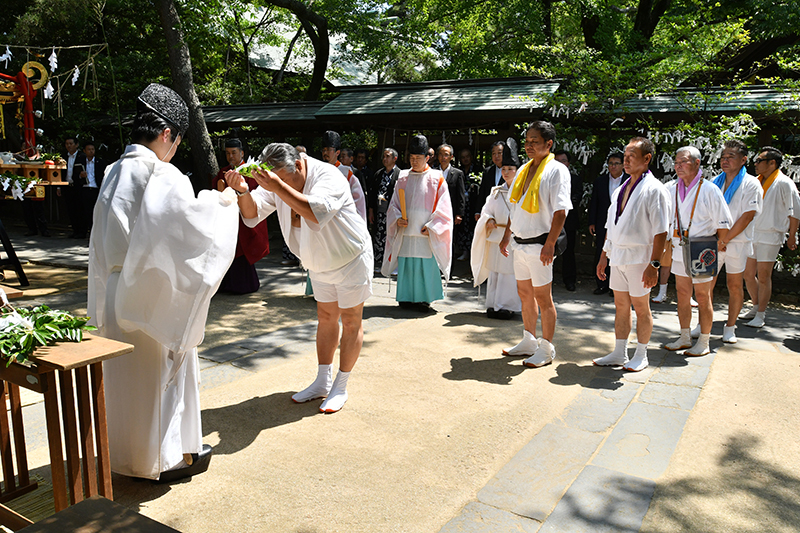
648 15
204 163
547 21
316 26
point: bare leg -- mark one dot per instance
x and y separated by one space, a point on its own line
705 307
644 318
530 312
764 284
751 281
684 286
327 331
622 319
543 297
735 297
352 337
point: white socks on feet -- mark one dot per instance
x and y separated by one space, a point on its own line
616 358
685 341
729 334
319 389
527 347
338 394
758 321
662 294
639 361
700 347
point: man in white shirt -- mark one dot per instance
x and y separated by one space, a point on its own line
637 225
781 212
698 210
331 150
332 241
604 186
742 193
540 199
93 178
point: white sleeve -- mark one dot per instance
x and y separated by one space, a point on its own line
265 204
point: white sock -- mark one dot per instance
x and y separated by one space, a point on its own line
640 349
686 334
639 361
621 346
662 291
761 315
703 339
319 389
338 395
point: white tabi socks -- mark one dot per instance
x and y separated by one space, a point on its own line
319 389
662 294
685 341
700 347
639 361
526 347
338 395
729 334
616 358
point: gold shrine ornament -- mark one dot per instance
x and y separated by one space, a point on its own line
10 93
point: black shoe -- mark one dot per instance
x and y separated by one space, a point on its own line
406 305
600 290
570 287
505 314
200 462
491 313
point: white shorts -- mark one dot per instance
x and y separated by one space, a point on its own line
679 270
765 253
528 265
628 278
346 296
734 258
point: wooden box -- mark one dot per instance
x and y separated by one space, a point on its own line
51 173
30 171
37 191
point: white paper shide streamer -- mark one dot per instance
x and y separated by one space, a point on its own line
75 75
53 59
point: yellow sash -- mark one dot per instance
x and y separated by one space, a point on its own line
531 201
766 184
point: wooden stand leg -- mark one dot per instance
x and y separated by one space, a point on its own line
71 437
19 436
54 441
5 443
12 260
101 431
86 436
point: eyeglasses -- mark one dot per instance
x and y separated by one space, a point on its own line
763 160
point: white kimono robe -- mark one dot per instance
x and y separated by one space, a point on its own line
427 204
337 249
486 260
157 255
355 189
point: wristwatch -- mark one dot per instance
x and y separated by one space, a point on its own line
241 193
655 263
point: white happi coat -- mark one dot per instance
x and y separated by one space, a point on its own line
711 213
486 260
629 240
355 189
337 249
748 197
427 204
781 201
554 195
157 255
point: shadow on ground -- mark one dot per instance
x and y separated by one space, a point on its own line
747 488
238 425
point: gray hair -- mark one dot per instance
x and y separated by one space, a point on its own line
392 151
693 152
280 156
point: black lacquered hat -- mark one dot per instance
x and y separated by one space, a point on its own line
165 103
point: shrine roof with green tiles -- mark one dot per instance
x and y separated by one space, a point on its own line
716 100
496 96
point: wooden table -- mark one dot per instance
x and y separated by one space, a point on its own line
11 292
78 370
98 515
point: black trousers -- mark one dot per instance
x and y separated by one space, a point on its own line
600 240
73 198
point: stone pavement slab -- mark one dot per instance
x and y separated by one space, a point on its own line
642 443
480 518
533 481
601 501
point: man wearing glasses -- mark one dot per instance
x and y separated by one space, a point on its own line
604 187
779 214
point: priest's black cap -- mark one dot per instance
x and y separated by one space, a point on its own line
331 139
510 158
165 103
418 145
234 143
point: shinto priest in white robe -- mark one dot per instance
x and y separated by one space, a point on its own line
486 260
157 255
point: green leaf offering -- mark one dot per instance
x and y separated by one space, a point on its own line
247 170
23 330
